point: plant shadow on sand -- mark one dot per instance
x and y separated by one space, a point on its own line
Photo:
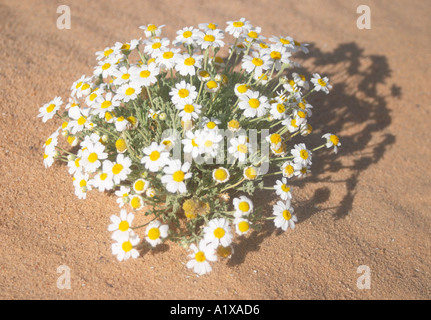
355 110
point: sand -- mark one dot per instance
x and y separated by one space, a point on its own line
368 205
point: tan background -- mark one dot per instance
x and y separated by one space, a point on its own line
367 206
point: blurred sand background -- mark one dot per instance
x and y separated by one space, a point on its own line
368 205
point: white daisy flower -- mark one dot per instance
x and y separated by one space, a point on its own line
256 63
155 232
129 91
48 110
200 258
321 84
287 42
52 141
278 55
253 104
241 89
120 226
121 124
186 64
278 110
76 86
155 157
208 26
301 154
140 186
145 75
48 158
301 81
175 176
103 181
106 104
106 53
80 119
187 36
80 182
124 248
123 195
104 69
211 38
166 57
239 148
332 141
90 100
211 86
300 170
209 142
120 169
253 35
284 217
189 111
136 202
288 169
292 123
242 226
121 75
155 45
220 175
243 206
152 30
190 143
282 189
92 155
183 93
210 124
218 232
250 172
237 28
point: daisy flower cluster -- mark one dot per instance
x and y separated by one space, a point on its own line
166 125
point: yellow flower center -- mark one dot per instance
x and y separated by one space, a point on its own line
156 45
211 125
303 154
48 142
238 24
253 34
139 185
204 74
242 88
81 120
285 188
220 174
82 183
284 41
301 114
244 206
155 155
200 256
189 61
243 226
151 27
234 124
123 226
187 34
178 176
183 93
242 148
136 202
321 82
106 66
78 84
77 162
108 52
257 62
189 108
92 157
250 173
125 46
154 233
126 246
117 168
287 215
275 138
219 233
168 55
106 104
275 55
211 84
130 91
209 38
194 144
145 74
289 170
85 86
121 145
50 108
103 176
280 108
334 139
208 143
254 103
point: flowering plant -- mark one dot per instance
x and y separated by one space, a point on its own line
172 128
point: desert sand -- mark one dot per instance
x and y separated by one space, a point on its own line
367 205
